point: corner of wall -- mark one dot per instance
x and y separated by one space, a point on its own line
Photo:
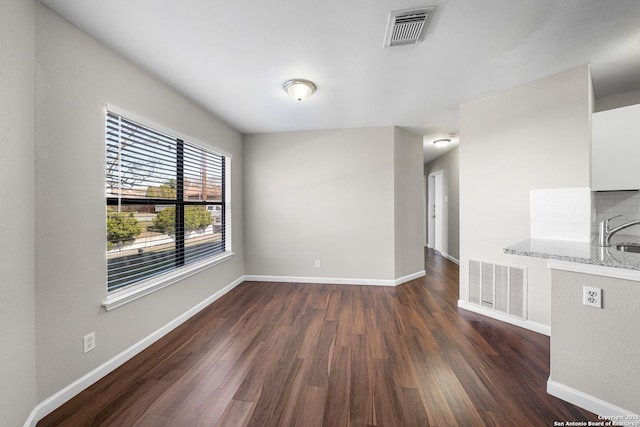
18 392
516 129
408 196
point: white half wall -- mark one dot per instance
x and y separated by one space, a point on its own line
596 350
534 136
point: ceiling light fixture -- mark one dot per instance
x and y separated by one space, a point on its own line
441 143
299 89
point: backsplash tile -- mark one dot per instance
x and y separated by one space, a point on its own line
561 214
611 203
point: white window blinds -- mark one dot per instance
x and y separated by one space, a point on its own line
165 201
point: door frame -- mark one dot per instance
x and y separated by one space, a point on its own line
435 205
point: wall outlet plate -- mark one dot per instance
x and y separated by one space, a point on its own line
592 296
89 342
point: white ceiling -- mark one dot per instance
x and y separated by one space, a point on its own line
232 56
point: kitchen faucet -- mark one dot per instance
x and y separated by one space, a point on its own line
604 235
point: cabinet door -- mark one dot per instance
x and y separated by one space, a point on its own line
615 149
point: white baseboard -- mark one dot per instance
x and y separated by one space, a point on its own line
590 403
444 254
450 258
335 280
410 277
526 324
52 403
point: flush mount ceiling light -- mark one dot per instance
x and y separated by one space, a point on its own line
299 89
441 143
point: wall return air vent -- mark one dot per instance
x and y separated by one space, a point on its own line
498 287
407 26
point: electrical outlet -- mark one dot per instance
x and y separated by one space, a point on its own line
89 342
317 263
592 296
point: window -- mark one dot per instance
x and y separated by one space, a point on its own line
165 200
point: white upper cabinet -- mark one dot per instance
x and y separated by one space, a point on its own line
615 149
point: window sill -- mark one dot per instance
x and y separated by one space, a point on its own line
125 296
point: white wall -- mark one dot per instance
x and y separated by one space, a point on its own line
320 195
534 136
350 198
449 163
409 204
17 282
596 351
76 77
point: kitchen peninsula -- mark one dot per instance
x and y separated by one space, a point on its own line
595 352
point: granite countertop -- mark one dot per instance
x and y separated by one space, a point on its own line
581 252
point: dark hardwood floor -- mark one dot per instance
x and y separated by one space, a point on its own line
276 354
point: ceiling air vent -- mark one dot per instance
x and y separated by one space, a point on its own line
407 26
